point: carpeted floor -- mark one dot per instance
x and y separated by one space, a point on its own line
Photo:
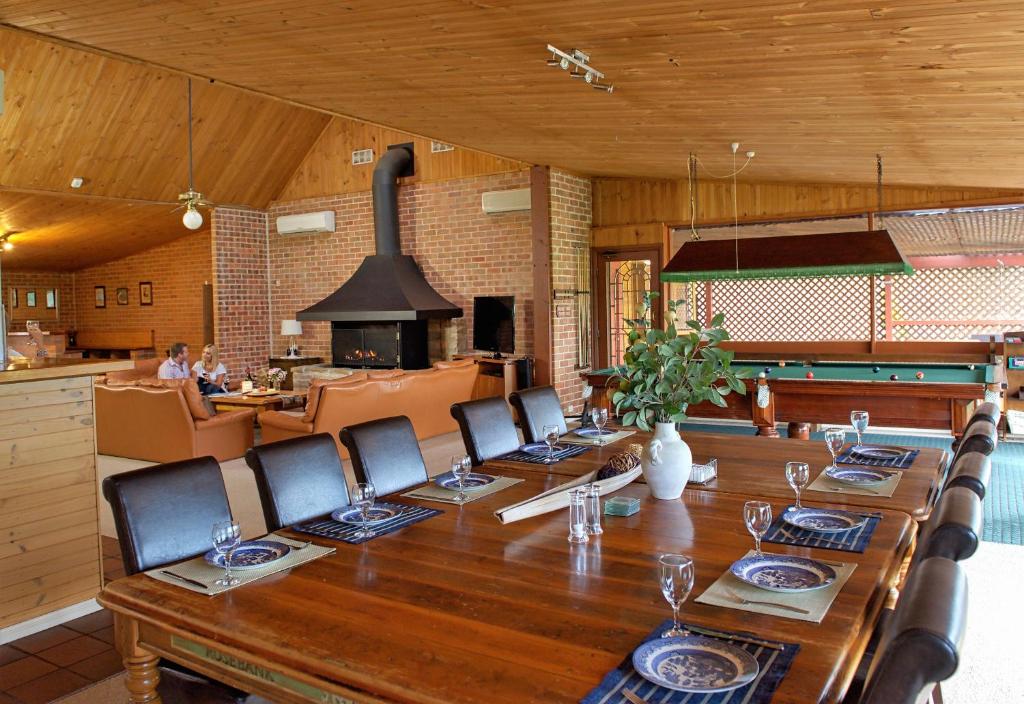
1004 502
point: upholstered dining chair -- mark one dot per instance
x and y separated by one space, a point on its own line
972 470
164 514
987 411
385 453
487 427
921 646
980 436
953 530
538 407
298 479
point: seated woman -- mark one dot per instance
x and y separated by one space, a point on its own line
209 373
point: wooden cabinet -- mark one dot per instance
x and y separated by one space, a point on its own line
499 377
289 363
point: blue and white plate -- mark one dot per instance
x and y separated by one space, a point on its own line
539 448
473 482
250 555
694 664
858 476
877 452
376 514
823 520
591 432
783 573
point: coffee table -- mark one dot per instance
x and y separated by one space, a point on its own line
276 402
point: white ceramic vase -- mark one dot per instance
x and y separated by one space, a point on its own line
666 462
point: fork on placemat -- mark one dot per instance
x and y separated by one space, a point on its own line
743 600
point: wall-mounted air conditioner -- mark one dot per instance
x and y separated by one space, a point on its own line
506 201
306 223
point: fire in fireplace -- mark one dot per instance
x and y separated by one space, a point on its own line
400 344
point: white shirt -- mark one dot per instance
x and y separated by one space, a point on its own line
172 370
201 372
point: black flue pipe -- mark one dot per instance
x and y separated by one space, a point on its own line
385 199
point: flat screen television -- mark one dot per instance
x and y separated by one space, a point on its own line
494 327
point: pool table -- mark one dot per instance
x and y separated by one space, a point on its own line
942 400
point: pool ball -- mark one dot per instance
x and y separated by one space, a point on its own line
971 367
894 377
782 362
810 375
920 375
767 370
876 369
762 375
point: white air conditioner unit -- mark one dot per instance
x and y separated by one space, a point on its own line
306 223
506 201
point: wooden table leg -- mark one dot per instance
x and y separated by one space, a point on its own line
800 431
140 664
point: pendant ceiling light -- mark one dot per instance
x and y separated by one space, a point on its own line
191 200
863 253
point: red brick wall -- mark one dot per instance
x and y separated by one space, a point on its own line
241 316
462 252
177 271
570 198
52 320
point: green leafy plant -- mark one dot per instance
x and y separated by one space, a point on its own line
668 370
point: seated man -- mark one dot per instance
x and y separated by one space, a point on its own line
176 364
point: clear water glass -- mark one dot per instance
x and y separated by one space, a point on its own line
363 496
578 516
758 517
600 418
797 474
461 467
551 436
859 421
227 536
675 575
835 438
594 510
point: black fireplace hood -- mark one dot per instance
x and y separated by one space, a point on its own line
387 286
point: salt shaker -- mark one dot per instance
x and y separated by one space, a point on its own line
578 516
594 510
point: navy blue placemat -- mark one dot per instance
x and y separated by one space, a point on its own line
336 530
559 455
850 456
853 540
774 666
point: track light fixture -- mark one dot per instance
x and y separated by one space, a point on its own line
581 68
5 242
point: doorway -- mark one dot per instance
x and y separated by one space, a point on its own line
624 277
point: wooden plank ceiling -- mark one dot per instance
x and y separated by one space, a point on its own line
816 88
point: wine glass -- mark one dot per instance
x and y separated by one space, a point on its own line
551 435
859 420
363 495
758 517
835 438
676 579
461 467
797 474
227 536
600 418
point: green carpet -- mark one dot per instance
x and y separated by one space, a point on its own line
1004 500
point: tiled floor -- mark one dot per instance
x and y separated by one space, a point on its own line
49 664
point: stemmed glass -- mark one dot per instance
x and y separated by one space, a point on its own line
461 467
758 517
797 474
835 438
859 420
551 438
227 536
676 579
363 495
600 418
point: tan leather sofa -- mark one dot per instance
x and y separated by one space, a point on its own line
425 396
164 421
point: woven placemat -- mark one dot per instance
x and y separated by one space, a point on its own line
851 456
336 530
853 540
774 663
572 438
433 492
559 455
829 485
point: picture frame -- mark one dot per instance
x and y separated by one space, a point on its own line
145 293
122 296
51 298
14 298
30 299
101 296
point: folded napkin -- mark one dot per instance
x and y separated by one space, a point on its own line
851 456
433 492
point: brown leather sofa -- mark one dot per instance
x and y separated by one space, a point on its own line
164 421
425 396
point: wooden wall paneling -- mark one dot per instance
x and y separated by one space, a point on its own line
628 236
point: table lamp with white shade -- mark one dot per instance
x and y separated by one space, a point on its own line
291 328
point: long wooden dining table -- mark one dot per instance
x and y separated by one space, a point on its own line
460 608
751 465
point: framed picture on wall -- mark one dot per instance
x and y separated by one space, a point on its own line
51 298
145 293
122 296
14 298
30 299
101 296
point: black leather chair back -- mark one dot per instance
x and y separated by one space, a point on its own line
981 436
922 644
298 479
538 407
954 528
166 513
385 453
972 470
987 411
487 428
